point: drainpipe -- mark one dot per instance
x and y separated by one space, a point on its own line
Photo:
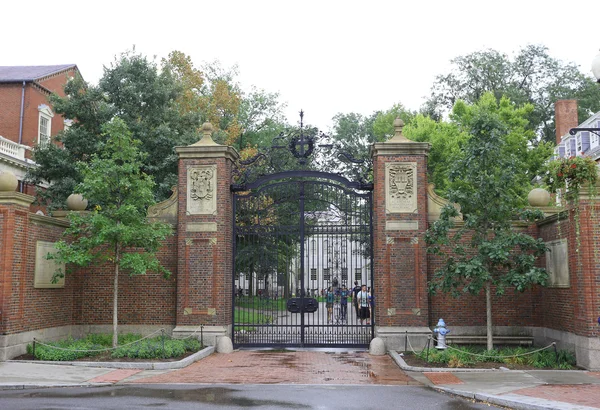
21 119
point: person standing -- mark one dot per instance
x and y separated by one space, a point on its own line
344 302
329 297
355 291
363 304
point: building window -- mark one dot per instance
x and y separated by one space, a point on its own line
579 145
358 274
344 274
44 124
326 274
313 274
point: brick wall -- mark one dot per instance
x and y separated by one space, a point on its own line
511 309
400 267
25 307
575 309
205 272
87 296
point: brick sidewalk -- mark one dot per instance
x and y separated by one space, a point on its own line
255 367
583 395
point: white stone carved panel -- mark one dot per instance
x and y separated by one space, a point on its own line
202 190
401 187
557 264
45 268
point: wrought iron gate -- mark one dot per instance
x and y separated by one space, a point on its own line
302 241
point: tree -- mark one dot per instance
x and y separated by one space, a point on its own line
117 231
354 134
446 139
144 97
163 107
532 76
488 251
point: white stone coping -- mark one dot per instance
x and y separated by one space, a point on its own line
207 351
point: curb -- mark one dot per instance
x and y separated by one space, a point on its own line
526 403
6 386
207 351
404 366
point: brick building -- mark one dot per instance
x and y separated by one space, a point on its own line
26 115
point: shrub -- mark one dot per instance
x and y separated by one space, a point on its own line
131 347
471 355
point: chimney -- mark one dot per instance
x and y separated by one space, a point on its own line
565 117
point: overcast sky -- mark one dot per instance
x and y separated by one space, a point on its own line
321 56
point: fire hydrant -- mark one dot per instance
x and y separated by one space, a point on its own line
441 330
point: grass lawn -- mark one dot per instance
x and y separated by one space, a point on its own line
250 316
259 303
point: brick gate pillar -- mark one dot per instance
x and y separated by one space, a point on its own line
205 241
399 222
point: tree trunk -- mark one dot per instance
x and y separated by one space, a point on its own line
115 338
488 309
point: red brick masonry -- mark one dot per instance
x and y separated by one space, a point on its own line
255 367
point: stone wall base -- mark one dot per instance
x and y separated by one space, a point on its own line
14 345
208 335
403 338
586 349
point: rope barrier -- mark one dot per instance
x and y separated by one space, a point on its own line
483 355
97 350
199 328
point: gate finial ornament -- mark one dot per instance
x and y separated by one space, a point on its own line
206 135
398 137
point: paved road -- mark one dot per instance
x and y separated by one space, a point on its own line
263 397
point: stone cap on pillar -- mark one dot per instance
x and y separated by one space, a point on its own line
207 148
16 198
8 193
399 144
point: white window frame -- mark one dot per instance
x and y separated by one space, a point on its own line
568 148
45 113
593 140
579 145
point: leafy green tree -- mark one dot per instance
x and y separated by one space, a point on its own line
354 134
144 96
117 231
531 76
446 139
488 251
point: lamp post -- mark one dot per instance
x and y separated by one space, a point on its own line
596 72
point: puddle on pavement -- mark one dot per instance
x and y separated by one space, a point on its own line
216 395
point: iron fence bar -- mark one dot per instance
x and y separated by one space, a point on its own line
301 199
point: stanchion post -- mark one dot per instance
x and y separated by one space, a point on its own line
202 336
406 340
428 344
34 348
163 343
555 352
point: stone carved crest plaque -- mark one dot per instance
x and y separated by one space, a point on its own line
201 190
45 268
401 187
